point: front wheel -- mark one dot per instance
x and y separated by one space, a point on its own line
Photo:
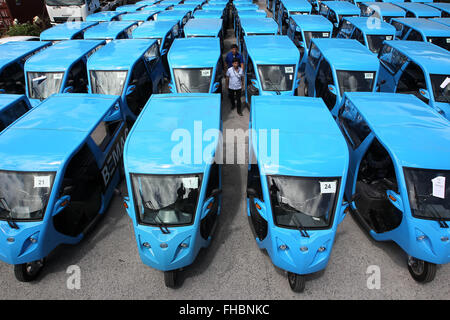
27 272
296 281
170 279
420 270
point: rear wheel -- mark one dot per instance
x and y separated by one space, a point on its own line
305 92
170 279
420 270
296 281
27 272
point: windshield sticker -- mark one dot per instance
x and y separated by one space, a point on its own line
445 83
325 34
57 76
290 77
289 69
438 187
388 37
41 181
190 183
447 40
206 73
368 75
327 187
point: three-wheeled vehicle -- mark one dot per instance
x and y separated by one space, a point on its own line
418 10
370 32
104 16
420 29
418 68
13 56
66 31
58 170
139 16
12 107
195 65
129 68
254 27
336 11
270 74
290 8
303 28
59 69
111 30
205 28
400 189
444 7
381 10
131 8
174 204
336 66
295 203
165 32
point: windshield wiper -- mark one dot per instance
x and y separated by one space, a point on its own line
183 86
274 86
149 205
9 218
434 212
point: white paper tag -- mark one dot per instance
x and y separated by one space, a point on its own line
290 77
439 187
206 73
445 83
388 37
447 40
190 183
368 75
288 69
325 34
41 181
327 187
57 76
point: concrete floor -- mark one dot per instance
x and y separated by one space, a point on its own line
231 268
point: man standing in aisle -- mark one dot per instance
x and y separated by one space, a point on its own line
234 54
235 83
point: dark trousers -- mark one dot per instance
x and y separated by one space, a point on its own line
235 95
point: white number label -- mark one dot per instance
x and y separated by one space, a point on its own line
206 73
439 187
289 69
57 76
42 181
368 75
190 183
327 187
388 37
325 34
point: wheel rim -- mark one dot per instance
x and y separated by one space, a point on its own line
417 265
32 268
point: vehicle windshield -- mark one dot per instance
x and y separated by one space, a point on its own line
166 199
65 2
375 42
193 80
443 42
24 195
277 77
292 13
429 193
303 202
314 35
441 87
355 81
43 84
108 82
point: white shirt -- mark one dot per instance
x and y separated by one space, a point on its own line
235 78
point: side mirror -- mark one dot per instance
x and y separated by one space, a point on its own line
301 44
163 52
255 83
130 89
215 86
60 204
424 93
395 199
68 190
251 193
216 192
68 89
172 87
332 89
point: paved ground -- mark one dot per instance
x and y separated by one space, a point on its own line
232 268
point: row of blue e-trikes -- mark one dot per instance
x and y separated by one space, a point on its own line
79 111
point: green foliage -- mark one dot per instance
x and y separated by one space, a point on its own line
24 29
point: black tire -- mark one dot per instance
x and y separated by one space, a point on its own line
305 90
420 270
28 272
296 282
170 279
